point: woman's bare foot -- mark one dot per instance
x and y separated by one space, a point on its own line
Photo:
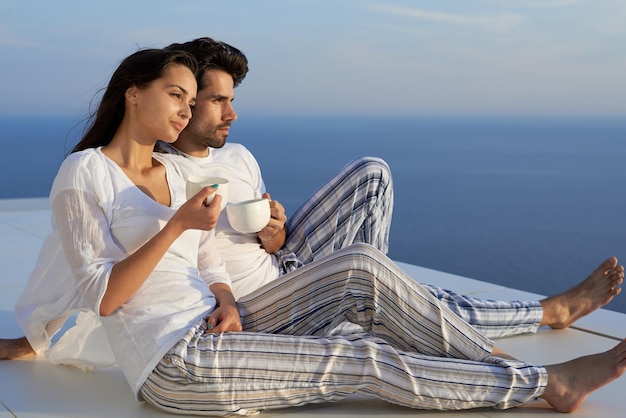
571 382
497 352
602 285
15 348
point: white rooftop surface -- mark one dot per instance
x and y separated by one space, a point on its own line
34 388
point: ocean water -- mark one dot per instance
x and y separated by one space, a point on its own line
529 203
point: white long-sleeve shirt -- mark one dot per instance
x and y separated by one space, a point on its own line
101 217
42 309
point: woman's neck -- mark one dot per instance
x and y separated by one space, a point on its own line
130 150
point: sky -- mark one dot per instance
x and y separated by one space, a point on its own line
335 57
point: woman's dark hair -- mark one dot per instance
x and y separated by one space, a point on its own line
212 54
139 69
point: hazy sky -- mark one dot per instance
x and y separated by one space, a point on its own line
335 57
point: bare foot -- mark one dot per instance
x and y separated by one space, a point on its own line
602 285
15 348
571 382
497 352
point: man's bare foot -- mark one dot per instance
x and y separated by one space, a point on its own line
15 348
571 382
602 285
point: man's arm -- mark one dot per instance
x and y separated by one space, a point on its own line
276 242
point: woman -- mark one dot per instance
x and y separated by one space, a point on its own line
113 193
146 261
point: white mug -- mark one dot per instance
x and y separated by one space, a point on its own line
197 183
249 216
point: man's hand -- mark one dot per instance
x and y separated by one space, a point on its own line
273 236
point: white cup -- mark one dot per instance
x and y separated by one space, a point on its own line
197 183
249 216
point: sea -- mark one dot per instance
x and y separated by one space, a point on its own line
532 203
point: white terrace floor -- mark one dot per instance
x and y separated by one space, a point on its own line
34 388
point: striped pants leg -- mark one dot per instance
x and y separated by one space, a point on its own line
414 351
494 319
356 206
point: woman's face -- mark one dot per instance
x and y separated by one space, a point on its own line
163 109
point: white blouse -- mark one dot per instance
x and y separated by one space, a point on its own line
101 218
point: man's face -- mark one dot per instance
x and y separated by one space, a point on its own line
212 114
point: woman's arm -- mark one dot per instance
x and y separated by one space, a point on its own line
81 200
129 274
225 318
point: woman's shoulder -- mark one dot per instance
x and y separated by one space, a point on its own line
81 168
88 159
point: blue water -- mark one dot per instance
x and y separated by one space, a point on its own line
529 203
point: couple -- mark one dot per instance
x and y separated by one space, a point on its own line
132 242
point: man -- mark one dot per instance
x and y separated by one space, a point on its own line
355 206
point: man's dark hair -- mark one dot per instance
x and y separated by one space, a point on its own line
212 54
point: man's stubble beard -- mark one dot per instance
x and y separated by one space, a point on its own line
214 142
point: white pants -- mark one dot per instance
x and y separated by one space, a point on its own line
414 351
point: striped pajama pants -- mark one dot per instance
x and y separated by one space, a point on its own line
413 351
356 205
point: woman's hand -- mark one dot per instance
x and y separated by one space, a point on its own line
225 318
196 214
